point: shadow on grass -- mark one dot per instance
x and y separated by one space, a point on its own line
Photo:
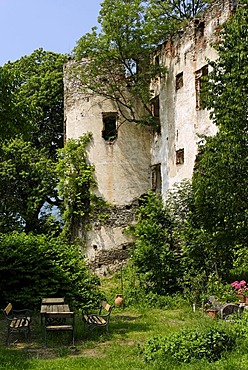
20 349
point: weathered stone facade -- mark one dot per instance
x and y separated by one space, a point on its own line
183 119
134 158
122 170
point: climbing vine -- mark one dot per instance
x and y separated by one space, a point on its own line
75 183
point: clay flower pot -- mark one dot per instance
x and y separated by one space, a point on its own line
212 313
241 298
119 300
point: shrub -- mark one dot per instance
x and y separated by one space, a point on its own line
32 267
155 254
190 344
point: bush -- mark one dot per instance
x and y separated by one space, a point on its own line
32 267
190 344
155 255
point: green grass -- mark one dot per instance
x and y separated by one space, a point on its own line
120 349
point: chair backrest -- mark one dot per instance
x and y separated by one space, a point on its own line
106 306
8 309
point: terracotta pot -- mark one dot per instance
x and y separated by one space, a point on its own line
246 300
119 300
212 312
241 298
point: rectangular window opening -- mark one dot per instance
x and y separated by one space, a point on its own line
180 156
200 80
179 81
156 178
109 132
155 110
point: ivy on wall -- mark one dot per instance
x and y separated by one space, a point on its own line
76 180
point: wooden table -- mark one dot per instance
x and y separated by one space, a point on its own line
52 305
56 316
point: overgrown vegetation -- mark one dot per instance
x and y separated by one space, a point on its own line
76 181
190 344
32 267
201 229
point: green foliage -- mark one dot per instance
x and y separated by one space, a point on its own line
155 254
31 180
167 16
32 99
187 345
117 53
117 60
31 121
32 267
76 181
220 177
228 82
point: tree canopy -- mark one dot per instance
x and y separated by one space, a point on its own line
31 99
31 122
27 181
115 62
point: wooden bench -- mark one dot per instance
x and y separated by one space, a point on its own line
17 320
58 321
99 320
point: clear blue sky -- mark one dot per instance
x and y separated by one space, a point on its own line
54 25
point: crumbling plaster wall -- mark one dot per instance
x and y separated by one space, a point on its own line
181 123
122 172
123 167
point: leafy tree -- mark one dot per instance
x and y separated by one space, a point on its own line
116 62
165 17
220 178
27 181
31 99
31 121
33 267
76 181
113 58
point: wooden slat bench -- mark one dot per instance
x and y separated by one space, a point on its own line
17 320
98 320
58 321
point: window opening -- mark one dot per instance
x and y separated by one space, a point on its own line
156 178
199 27
155 112
109 132
180 156
179 81
156 60
200 80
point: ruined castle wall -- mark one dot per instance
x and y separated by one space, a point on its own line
183 122
122 172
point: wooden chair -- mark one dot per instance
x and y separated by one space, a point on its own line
17 320
59 322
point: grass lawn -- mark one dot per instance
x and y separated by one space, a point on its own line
120 349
